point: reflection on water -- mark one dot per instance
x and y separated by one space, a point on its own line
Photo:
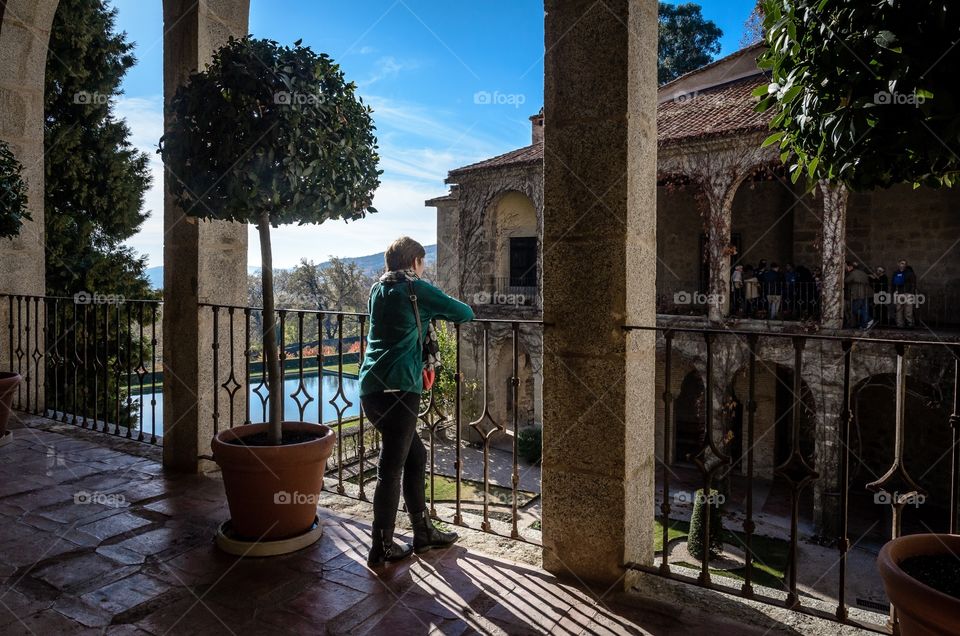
291 410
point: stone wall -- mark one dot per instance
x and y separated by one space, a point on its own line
921 226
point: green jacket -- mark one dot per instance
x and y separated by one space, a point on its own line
392 359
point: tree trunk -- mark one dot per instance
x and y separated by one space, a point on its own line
271 356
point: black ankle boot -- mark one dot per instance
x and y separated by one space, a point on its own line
385 549
425 536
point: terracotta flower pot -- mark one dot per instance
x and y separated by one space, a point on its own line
923 611
8 388
273 491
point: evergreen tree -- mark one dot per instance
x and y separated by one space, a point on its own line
95 179
687 40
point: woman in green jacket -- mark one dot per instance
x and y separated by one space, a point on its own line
391 382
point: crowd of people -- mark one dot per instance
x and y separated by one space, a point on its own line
793 292
769 291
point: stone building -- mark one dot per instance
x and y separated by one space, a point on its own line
724 200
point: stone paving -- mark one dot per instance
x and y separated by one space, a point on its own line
98 539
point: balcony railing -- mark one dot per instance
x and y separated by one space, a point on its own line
935 306
869 484
96 357
475 472
785 435
516 291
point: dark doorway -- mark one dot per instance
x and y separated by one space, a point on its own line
523 261
689 416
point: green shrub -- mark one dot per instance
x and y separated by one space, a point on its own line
695 540
530 444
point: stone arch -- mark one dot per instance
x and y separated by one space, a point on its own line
927 441
681 209
513 228
762 212
24 36
479 196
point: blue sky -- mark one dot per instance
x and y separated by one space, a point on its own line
421 64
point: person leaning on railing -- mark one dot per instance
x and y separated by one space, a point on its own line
392 377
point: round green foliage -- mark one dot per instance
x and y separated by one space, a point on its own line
695 540
13 194
530 443
271 128
864 92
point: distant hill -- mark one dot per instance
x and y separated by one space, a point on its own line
371 264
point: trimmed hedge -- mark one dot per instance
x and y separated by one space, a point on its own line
530 444
695 539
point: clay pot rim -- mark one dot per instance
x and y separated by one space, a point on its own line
286 454
912 543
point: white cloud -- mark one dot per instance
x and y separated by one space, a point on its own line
386 67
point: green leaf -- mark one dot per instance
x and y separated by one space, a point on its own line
772 139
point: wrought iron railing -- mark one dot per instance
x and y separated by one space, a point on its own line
91 360
919 494
932 306
319 375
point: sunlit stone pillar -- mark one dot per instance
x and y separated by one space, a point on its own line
834 247
599 254
720 187
24 35
204 262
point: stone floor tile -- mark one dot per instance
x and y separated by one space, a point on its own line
191 616
127 593
73 573
47 622
114 525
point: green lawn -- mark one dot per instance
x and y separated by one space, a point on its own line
770 555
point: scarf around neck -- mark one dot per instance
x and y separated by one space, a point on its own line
430 346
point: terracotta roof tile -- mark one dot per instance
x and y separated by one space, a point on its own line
726 109
527 154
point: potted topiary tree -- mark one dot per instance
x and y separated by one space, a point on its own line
13 212
271 135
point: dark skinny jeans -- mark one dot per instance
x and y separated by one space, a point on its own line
403 458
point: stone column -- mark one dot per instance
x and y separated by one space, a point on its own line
204 261
599 247
834 247
827 384
720 188
24 35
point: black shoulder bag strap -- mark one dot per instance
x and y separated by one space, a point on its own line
416 313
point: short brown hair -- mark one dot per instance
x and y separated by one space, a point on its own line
403 253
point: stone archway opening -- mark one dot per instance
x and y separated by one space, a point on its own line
515 235
683 270
690 420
